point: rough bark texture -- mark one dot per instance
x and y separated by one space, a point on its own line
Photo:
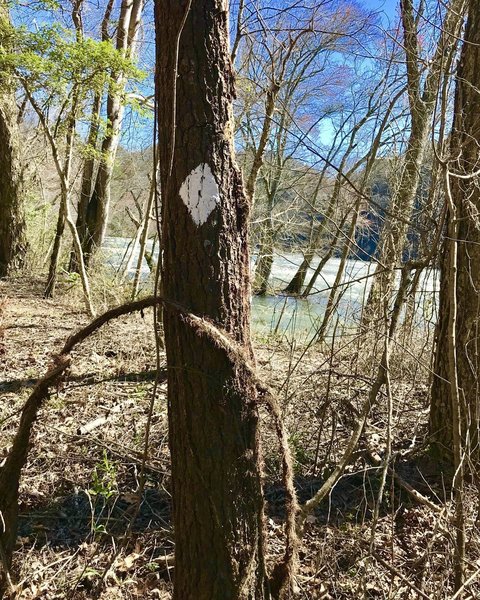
465 144
217 495
12 220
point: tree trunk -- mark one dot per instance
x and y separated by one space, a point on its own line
321 265
422 101
88 174
465 200
213 416
55 256
264 263
87 178
295 286
145 227
64 216
334 296
99 204
394 233
12 219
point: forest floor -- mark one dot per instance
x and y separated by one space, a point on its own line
80 534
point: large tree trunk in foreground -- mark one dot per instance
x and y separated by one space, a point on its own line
463 226
12 220
213 420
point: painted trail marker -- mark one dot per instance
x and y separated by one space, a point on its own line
200 194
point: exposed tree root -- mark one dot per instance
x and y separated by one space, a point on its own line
283 574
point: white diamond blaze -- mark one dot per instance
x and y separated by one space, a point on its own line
200 194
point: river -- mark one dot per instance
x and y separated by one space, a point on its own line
299 318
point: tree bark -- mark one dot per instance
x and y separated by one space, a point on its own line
12 189
463 237
213 417
87 178
51 283
264 262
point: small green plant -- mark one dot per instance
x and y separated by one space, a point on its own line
90 574
104 479
300 454
140 391
102 488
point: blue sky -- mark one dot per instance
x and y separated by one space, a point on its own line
389 7
140 134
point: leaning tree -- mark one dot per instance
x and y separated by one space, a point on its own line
454 408
424 79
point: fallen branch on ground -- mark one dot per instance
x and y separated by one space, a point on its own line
99 421
11 470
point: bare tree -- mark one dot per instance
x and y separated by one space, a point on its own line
97 208
88 174
454 408
460 276
143 232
